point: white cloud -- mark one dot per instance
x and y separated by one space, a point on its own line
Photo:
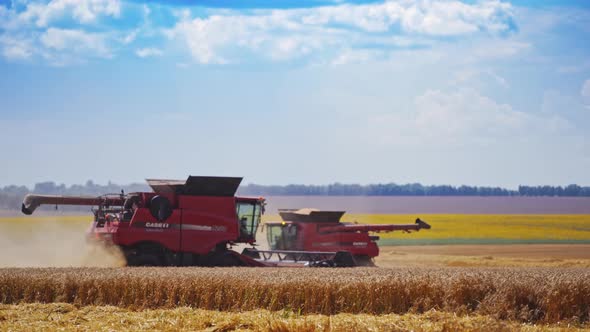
148 52
454 18
130 37
291 33
84 11
146 11
473 76
219 39
77 41
55 46
16 48
464 113
351 56
495 49
422 16
462 117
33 30
291 47
337 34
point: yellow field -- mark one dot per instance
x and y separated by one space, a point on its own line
514 228
464 228
446 228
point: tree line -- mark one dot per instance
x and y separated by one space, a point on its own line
413 189
12 196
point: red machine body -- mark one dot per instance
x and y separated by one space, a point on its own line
322 231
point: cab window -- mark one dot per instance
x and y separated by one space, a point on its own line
248 218
282 236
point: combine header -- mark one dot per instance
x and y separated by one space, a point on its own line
197 221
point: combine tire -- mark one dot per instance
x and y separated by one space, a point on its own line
344 259
341 259
226 259
144 260
145 254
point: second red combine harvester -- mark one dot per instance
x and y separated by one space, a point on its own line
316 236
197 221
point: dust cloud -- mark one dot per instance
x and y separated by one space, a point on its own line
52 244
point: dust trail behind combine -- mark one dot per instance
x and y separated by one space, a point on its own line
57 241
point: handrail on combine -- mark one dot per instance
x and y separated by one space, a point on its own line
310 258
289 255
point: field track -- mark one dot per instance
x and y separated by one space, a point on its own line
508 255
545 295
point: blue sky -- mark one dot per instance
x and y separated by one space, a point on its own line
438 92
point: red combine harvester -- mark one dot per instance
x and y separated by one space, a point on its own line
180 223
308 232
197 221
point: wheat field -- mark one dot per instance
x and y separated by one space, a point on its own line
530 295
68 317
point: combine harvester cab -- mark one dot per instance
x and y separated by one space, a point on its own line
319 238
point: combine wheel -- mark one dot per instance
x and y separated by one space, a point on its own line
341 259
144 260
146 254
225 259
344 259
